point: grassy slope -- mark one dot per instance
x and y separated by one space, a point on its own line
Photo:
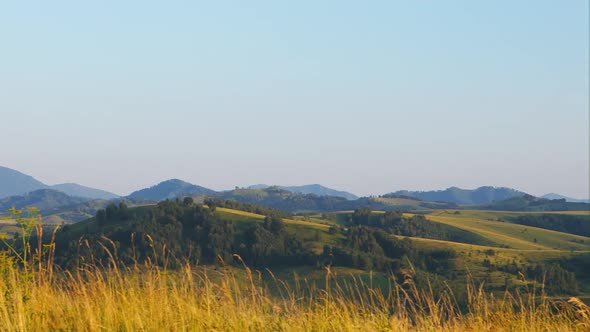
512 235
409 203
523 250
550 245
315 235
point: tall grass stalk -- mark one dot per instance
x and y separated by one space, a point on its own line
200 298
149 297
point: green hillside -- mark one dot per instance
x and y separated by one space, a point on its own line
444 245
496 250
509 234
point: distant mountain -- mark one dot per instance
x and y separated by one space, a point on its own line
57 207
567 199
13 183
260 186
481 195
170 189
532 203
285 200
315 189
293 202
74 189
47 200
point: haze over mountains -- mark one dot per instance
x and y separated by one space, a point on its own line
568 199
315 189
170 189
44 199
481 195
14 183
20 190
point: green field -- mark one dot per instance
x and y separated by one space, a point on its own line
517 242
314 234
511 235
523 245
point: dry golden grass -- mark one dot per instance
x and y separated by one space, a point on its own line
194 298
148 298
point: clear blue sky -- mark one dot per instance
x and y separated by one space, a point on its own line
367 96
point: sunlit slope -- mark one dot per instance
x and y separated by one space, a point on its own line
314 235
237 215
511 235
486 214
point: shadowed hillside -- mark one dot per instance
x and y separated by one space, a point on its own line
456 195
170 189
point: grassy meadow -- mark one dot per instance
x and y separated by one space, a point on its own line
147 298
36 296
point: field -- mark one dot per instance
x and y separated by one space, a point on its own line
221 297
315 234
520 244
511 235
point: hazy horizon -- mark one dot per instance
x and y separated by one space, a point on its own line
294 184
367 98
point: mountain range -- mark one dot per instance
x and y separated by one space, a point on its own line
15 183
21 190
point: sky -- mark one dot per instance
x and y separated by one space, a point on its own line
365 96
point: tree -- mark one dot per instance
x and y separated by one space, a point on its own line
210 203
123 211
188 201
101 217
111 211
276 225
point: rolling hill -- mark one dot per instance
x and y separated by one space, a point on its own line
481 195
532 203
553 196
74 189
292 202
304 242
58 207
315 189
285 200
511 235
169 189
47 200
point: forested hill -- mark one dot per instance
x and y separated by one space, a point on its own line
481 195
532 203
315 189
74 189
47 200
173 232
170 189
285 200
